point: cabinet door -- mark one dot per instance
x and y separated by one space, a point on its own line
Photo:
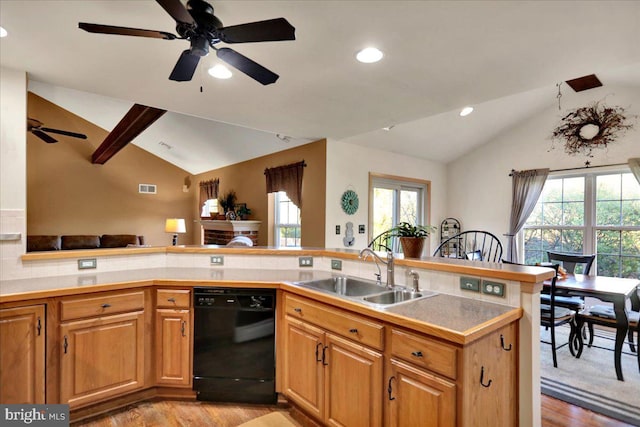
303 369
101 358
22 352
419 398
353 388
173 355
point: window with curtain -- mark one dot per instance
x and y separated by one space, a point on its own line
394 201
287 227
593 212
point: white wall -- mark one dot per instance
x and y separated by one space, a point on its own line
13 143
348 167
479 188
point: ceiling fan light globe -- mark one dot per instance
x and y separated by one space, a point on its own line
589 131
219 71
369 55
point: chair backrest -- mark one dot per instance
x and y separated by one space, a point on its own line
569 261
475 245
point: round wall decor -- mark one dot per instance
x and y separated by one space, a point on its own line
349 202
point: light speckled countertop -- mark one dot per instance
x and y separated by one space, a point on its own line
455 318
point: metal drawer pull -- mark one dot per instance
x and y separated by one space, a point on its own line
318 352
353 331
324 360
105 305
184 325
417 353
390 389
502 343
482 379
172 299
65 344
297 310
39 326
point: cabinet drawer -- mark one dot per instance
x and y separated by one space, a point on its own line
101 305
348 325
424 352
173 298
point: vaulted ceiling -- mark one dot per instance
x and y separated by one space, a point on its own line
503 58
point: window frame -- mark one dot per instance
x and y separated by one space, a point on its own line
277 225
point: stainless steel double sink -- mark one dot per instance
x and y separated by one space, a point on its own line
365 291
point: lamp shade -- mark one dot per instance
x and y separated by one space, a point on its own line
175 225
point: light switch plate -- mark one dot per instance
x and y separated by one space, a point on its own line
493 288
470 284
217 260
87 263
336 264
305 261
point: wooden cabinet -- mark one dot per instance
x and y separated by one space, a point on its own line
173 337
101 356
22 355
335 379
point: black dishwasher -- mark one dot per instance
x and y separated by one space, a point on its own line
234 345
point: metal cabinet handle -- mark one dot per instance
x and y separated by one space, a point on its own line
297 310
502 344
390 388
184 326
324 360
172 299
318 359
39 326
353 331
105 305
65 345
417 353
487 385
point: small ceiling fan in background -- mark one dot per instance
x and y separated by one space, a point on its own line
197 24
35 127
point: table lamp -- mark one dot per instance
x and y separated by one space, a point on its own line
175 226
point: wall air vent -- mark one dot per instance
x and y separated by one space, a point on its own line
147 188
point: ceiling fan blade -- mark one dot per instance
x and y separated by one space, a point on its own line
65 132
247 66
176 9
185 67
261 31
125 31
43 136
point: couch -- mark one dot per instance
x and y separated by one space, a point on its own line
56 243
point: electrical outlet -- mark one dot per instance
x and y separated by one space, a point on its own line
470 284
336 264
87 263
493 288
361 229
305 261
337 229
217 260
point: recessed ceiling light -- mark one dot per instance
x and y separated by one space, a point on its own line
369 55
466 111
3 32
220 72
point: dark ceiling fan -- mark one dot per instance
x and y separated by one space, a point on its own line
197 24
35 127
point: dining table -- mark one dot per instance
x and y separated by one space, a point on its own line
615 290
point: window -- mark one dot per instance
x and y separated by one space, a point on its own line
395 200
287 222
590 213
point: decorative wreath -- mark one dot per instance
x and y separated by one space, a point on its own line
349 202
594 126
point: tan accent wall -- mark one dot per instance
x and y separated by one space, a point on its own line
67 194
248 181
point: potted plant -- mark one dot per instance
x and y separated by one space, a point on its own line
412 237
228 201
243 211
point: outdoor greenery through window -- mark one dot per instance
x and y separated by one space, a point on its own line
395 201
591 213
287 221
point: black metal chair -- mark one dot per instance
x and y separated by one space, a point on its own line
552 315
475 245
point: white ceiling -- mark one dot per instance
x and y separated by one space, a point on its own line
504 58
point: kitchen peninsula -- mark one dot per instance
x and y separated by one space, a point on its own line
479 347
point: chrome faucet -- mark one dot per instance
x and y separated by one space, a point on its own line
416 281
389 263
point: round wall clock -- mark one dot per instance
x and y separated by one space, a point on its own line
349 202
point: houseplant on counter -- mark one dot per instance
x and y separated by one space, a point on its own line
412 237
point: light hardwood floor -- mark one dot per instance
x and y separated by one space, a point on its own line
170 413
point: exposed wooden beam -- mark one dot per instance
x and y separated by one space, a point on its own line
137 119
